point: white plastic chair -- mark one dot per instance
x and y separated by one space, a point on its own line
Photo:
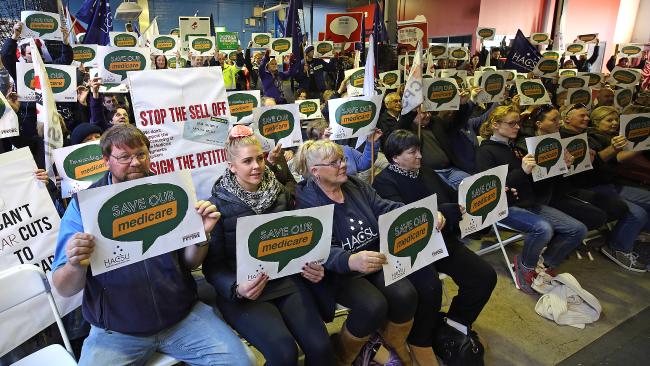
19 285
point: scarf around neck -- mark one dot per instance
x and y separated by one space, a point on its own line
260 200
407 173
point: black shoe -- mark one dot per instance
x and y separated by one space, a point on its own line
456 348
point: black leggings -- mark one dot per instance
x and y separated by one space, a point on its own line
275 326
371 303
590 215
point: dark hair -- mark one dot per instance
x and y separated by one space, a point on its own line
398 142
300 91
122 135
540 112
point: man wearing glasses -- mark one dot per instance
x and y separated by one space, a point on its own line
147 306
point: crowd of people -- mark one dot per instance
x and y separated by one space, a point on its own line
413 155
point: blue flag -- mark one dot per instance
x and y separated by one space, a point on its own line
279 27
379 32
293 29
523 56
97 14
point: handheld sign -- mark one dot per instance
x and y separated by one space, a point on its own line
438 51
409 239
546 68
343 27
579 96
279 244
280 124
622 98
551 54
41 24
567 82
63 81
409 32
568 72
539 38
549 155
636 129
355 81
458 53
493 85
140 219
79 166
309 109
630 50
227 41
624 77
323 49
86 54
532 92
578 146
164 45
441 94
353 116
8 119
123 39
391 79
595 78
192 26
575 49
402 60
202 45
484 197
242 103
280 47
485 34
459 75
261 40
588 38
115 62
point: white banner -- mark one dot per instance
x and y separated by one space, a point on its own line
41 24
79 166
193 98
279 244
63 80
115 62
278 124
8 119
353 117
549 155
484 197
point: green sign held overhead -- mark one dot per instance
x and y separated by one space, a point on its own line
42 24
356 114
276 124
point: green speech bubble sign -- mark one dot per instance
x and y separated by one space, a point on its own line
631 50
276 124
85 163
483 196
59 79
551 54
42 24
573 82
409 234
437 50
308 108
532 90
577 148
459 53
324 48
355 114
262 39
624 97
171 62
637 130
547 153
356 79
121 61
281 45
164 43
285 239
549 66
403 60
241 104
441 92
593 78
3 107
587 37
485 33
389 78
494 84
83 54
580 97
125 40
575 48
143 213
624 76
202 45
540 37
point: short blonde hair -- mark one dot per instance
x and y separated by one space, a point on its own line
498 114
600 113
313 152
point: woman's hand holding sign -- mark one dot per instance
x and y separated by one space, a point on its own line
366 261
252 289
528 163
209 214
313 271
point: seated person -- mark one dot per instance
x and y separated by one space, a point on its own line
388 119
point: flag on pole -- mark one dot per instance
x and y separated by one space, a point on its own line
413 97
97 14
369 75
72 40
523 56
150 33
46 113
293 29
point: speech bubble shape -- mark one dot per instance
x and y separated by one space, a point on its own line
42 24
483 196
262 39
459 53
241 104
631 50
171 62
202 45
624 76
143 213
121 61
580 96
532 90
575 48
441 92
344 26
485 33
551 54
281 45
637 130
85 163
83 54
494 84
324 48
59 80
568 72
624 97
357 77
355 114
164 43
410 232
437 50
547 66
593 78
510 75
573 82
125 40
547 153
587 37
276 124
284 239
410 35
308 108
540 37
389 78
577 148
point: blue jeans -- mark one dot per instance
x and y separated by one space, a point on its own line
202 338
545 226
452 176
638 199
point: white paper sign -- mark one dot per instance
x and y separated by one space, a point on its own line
458 53
28 235
636 129
575 49
192 95
192 26
280 47
484 197
625 77
622 98
549 155
79 166
567 82
261 40
493 84
409 239
202 45
309 109
595 78
485 34
323 49
546 67
115 62
8 119
63 80
243 103
164 44
355 81
440 94
140 219
391 79
279 124
532 92
438 51
568 72
579 96
279 244
459 75
86 54
630 50
539 38
41 24
354 116
123 39
578 146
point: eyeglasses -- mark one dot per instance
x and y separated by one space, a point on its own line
335 164
127 159
512 124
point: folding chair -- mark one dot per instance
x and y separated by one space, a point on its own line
20 285
500 244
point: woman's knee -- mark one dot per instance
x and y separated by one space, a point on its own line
402 301
281 352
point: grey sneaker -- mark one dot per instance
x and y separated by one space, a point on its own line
628 261
524 276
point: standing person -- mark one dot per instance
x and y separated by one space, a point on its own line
389 117
253 67
146 306
353 270
160 62
312 71
272 78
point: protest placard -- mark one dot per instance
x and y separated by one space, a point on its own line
549 155
353 116
622 98
123 39
568 72
438 51
575 49
493 84
579 96
484 197
261 40
630 50
409 32
8 119
595 78
201 45
547 68
578 146
343 27
539 38
242 103
459 75
588 38
567 82
227 41
280 47
86 54
115 62
441 94
458 53
41 24
192 26
355 81
164 45
79 166
636 129
532 92
309 109
279 124
625 77
323 49
63 80
485 34
391 79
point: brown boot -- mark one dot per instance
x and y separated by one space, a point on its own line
347 347
423 356
395 335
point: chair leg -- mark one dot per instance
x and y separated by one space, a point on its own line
505 255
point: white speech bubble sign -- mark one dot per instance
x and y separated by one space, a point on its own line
344 26
409 35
